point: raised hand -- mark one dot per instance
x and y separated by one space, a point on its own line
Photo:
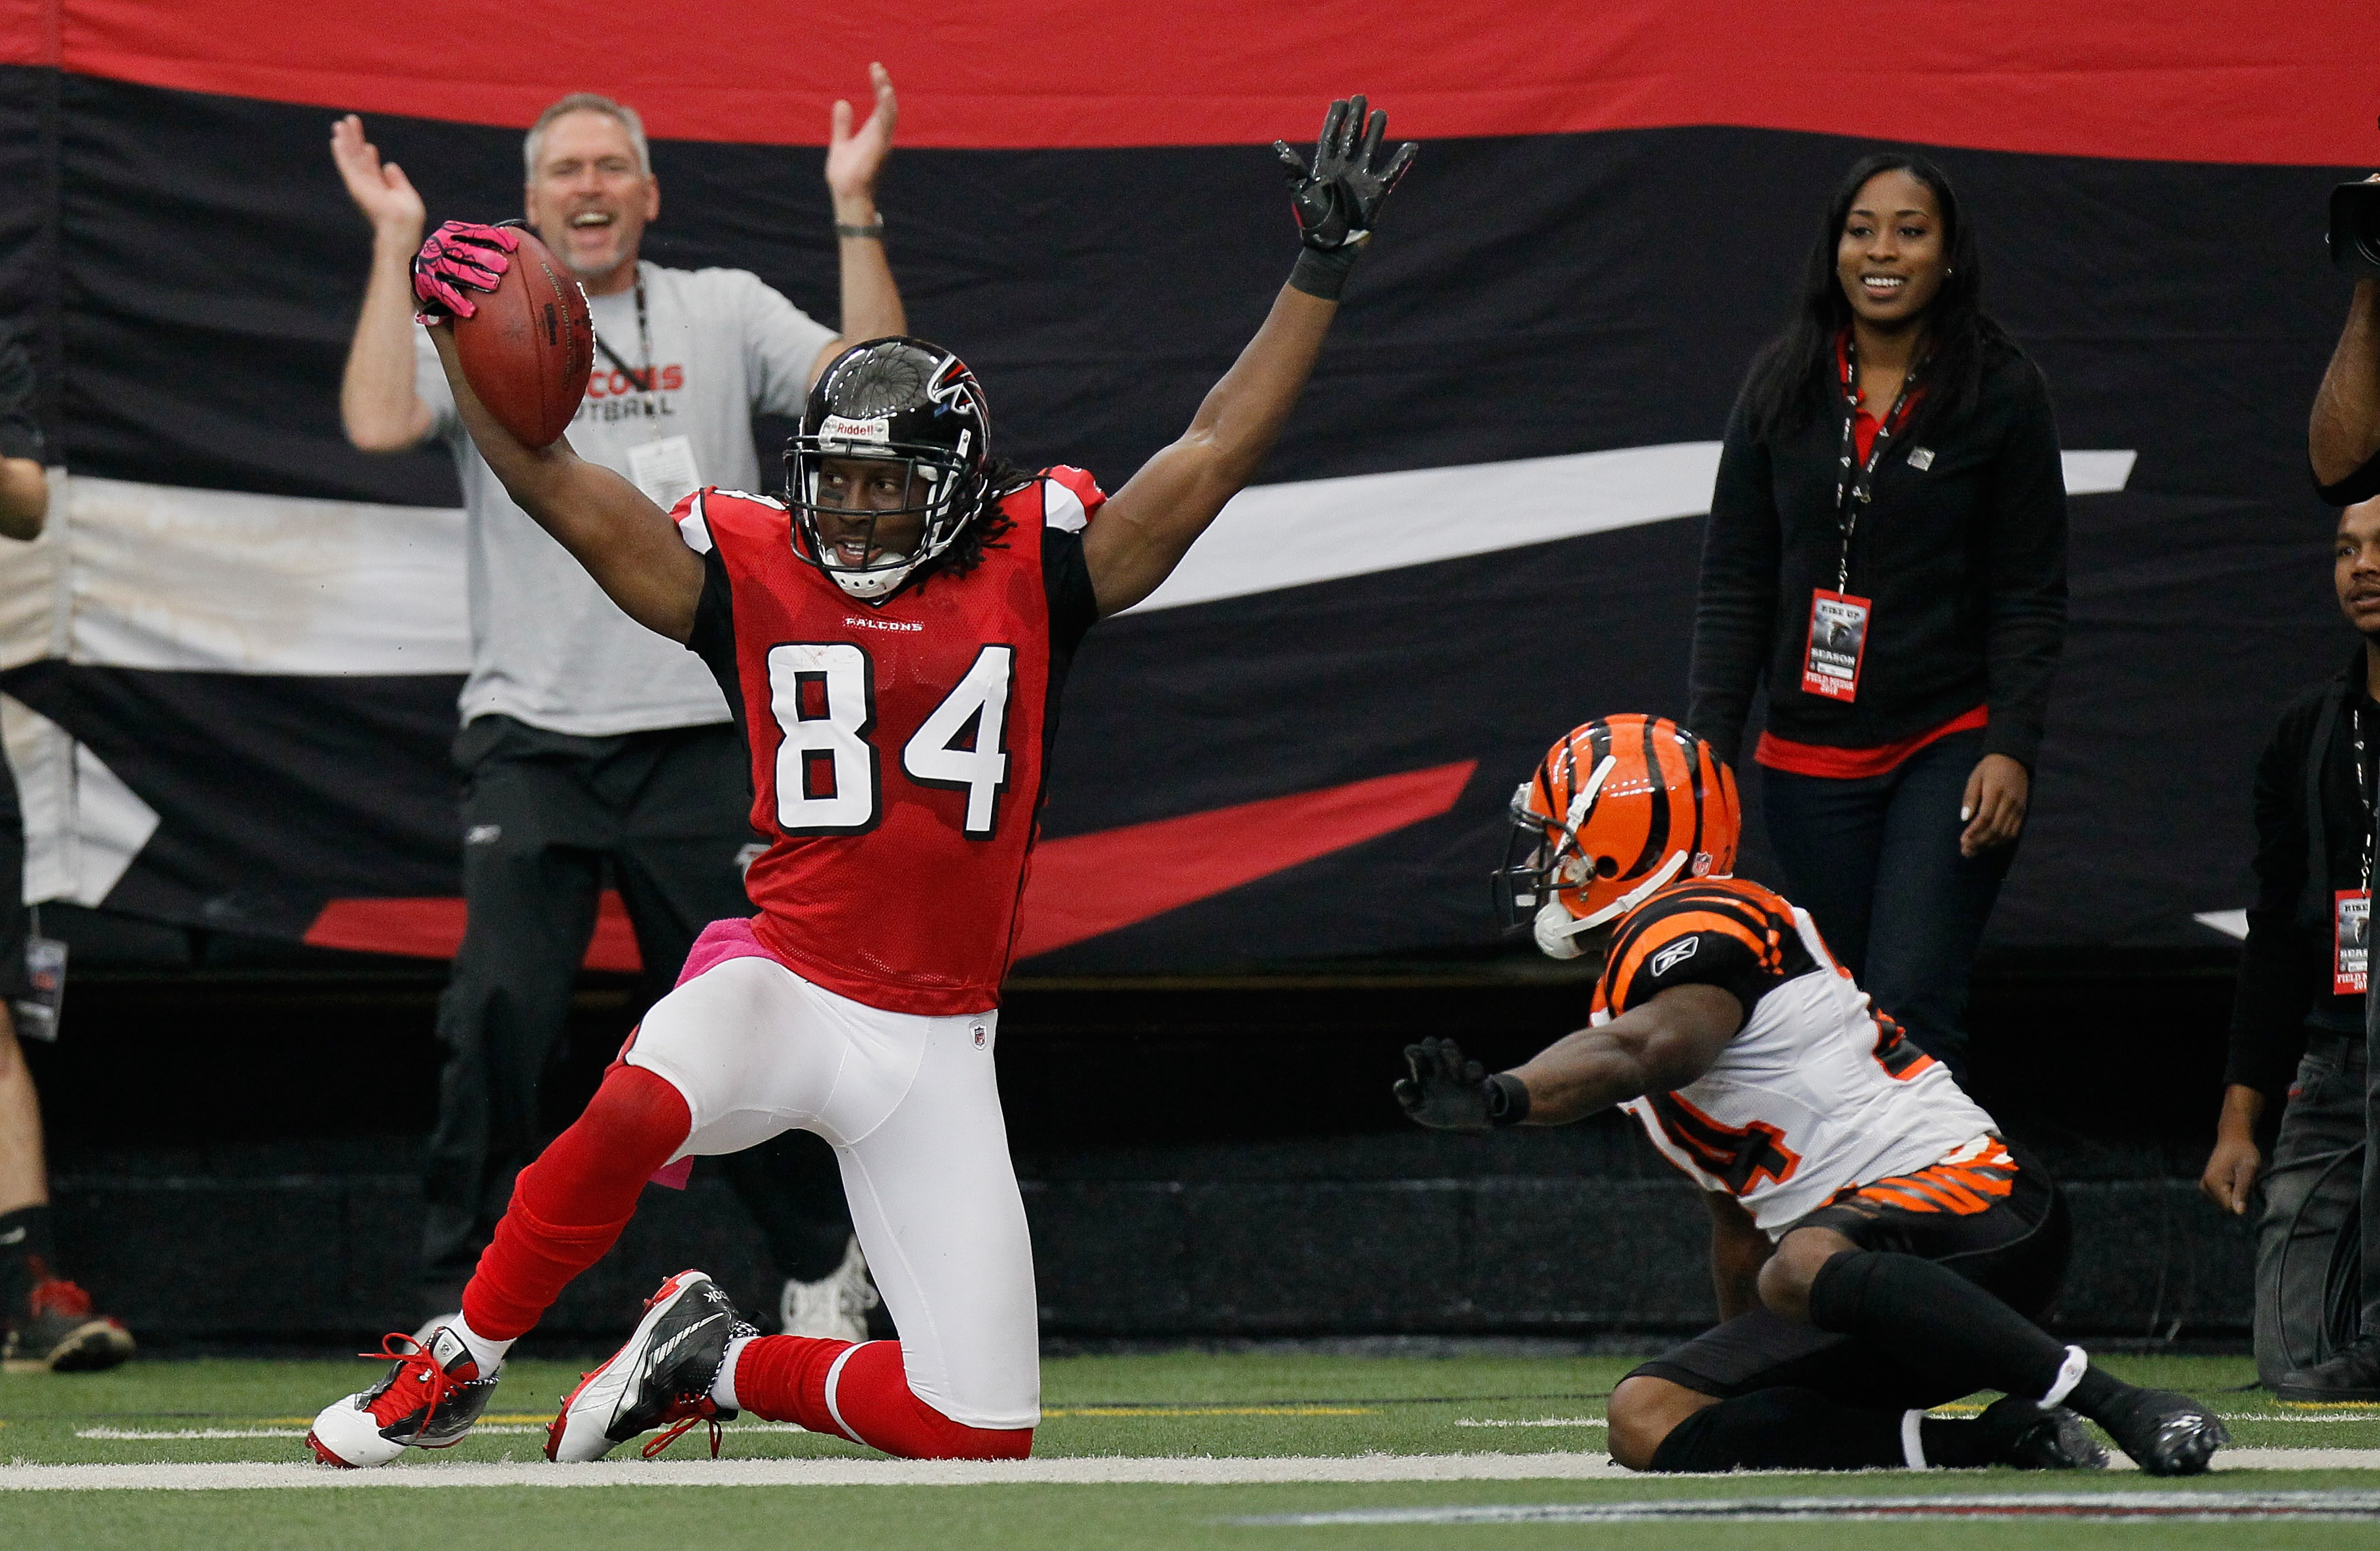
460 254
1445 1092
854 160
381 189
1339 197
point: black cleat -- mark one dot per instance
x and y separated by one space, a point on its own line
2029 1436
59 1333
661 1377
2351 1374
2166 1433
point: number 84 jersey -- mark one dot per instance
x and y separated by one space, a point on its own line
1816 1093
897 748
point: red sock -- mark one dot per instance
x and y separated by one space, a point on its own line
868 1399
569 1207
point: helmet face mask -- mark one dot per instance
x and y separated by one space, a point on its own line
865 545
896 401
1616 810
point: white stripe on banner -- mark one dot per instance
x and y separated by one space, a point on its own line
155 577
84 825
163 577
1282 536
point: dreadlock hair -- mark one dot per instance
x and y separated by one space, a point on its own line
988 527
1794 380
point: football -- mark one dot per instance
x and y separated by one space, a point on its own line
528 347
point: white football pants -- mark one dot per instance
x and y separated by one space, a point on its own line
911 1108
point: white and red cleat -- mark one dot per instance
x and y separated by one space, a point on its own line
663 1376
428 1399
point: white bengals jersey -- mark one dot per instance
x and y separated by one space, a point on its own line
1817 1094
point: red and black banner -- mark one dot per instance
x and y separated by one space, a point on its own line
241 643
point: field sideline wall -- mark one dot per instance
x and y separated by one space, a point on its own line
238 1150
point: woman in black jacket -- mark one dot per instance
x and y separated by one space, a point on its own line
1886 550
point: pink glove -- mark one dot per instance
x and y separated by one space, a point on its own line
458 254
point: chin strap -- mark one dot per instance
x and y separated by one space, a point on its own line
1555 927
871 584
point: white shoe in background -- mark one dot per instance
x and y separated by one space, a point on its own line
833 1308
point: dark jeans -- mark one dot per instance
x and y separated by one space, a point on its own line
542 813
1876 863
2307 1238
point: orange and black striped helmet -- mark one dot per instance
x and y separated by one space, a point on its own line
1618 808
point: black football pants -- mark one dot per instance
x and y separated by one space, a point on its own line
543 814
2307 1239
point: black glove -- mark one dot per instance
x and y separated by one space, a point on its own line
1447 1092
1337 200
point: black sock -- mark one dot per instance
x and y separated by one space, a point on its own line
2100 1395
1935 1322
27 1256
1801 1429
1783 1429
1956 1443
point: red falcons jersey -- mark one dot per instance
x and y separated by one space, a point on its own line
897 748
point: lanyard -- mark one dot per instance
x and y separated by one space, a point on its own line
2362 791
1855 491
643 381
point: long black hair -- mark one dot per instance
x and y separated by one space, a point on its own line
1794 381
990 525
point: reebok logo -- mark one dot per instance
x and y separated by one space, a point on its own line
1676 953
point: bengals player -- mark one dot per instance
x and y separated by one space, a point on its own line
891 638
1878 1246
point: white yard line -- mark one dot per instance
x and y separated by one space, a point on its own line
2102 1506
1109 1470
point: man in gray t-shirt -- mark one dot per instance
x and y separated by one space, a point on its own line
590 744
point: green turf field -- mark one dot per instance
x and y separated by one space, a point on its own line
1185 1405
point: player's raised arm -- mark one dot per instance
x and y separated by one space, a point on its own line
1665 1043
1145 527
625 542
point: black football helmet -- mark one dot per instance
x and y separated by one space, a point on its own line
905 401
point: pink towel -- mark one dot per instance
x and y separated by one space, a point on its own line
720 941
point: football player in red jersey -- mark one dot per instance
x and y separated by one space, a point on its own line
1877 1245
890 638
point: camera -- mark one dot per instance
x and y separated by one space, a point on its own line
2355 228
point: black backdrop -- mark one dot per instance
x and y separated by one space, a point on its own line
188 267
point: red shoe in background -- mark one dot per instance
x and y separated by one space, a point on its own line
59 1334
